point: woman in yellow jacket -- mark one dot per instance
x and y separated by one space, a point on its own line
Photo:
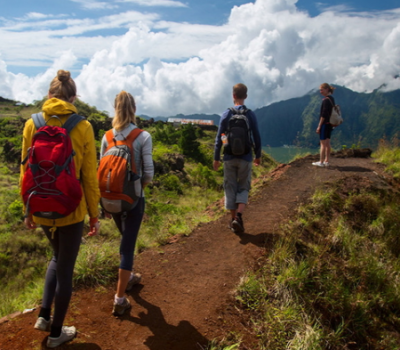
64 234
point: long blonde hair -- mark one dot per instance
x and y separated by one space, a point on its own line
125 109
63 86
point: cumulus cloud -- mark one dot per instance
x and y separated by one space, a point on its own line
271 46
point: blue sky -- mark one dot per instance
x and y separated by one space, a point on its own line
184 56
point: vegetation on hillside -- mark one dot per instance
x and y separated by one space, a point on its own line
180 197
332 279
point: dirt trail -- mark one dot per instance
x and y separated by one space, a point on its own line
185 300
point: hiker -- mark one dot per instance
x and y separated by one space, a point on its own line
64 233
128 223
237 162
324 128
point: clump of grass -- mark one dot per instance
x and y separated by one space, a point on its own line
388 153
223 344
97 263
26 298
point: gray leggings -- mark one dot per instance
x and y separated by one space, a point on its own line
58 283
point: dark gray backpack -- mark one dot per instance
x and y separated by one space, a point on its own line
238 133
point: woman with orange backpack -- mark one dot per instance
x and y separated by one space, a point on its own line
45 181
137 170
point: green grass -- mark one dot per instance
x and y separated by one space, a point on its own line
332 280
389 155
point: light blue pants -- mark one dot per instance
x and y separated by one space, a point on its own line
237 182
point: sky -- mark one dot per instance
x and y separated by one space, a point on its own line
184 56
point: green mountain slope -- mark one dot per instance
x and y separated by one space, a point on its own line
368 118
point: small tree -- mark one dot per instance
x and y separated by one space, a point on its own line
188 142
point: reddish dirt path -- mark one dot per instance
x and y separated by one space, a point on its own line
185 299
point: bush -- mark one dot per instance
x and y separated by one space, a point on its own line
204 177
172 183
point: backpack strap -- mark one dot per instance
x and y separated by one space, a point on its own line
128 141
72 121
242 111
38 120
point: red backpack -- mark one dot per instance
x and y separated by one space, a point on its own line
50 188
120 186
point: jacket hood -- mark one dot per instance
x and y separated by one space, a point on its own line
55 106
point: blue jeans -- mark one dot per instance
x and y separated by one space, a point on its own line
237 182
132 224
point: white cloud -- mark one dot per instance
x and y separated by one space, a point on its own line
275 49
149 3
95 5
101 5
36 15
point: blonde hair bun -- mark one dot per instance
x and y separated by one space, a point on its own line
63 75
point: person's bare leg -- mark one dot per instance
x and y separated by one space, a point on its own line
123 279
322 151
327 150
241 207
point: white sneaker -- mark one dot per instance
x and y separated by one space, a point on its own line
133 280
326 164
318 164
67 334
43 325
119 309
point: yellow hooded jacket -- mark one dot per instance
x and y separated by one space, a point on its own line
83 143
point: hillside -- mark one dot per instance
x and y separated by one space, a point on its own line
189 294
368 118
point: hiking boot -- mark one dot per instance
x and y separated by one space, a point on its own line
231 226
318 164
133 280
237 224
42 325
67 334
119 309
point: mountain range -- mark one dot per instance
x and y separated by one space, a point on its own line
368 117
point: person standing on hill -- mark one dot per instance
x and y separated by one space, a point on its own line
65 233
324 128
238 132
128 223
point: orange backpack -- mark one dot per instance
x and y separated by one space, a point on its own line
120 186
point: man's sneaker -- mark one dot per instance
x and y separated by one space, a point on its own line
67 334
43 325
231 226
133 280
318 164
237 225
119 309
